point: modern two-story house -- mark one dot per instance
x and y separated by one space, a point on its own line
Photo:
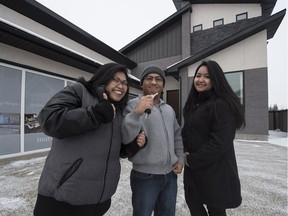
232 32
41 52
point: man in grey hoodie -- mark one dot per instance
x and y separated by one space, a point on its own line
153 178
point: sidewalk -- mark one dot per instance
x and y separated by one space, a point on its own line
262 169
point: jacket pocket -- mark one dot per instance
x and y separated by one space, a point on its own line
71 170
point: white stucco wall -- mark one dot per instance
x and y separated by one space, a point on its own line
13 54
205 14
250 53
135 91
26 58
170 84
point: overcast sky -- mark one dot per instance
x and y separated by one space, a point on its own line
118 23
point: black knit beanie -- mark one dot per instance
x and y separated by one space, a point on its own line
152 69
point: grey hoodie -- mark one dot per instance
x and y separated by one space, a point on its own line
164 147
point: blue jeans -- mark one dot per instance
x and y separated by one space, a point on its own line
153 192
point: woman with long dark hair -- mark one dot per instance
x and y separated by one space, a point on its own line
212 114
82 169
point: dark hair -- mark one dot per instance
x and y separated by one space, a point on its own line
102 76
220 88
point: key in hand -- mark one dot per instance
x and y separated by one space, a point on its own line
148 111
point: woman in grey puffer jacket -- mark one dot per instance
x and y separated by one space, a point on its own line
82 169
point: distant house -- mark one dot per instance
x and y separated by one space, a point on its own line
41 52
232 32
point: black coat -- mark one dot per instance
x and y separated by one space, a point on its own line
208 134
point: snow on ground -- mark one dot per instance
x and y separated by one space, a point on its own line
262 169
278 138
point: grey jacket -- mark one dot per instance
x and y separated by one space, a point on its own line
164 142
83 164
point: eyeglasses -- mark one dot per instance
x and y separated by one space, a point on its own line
150 79
118 81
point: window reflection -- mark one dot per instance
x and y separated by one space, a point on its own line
10 107
38 90
235 79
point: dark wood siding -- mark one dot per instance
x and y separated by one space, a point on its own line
165 44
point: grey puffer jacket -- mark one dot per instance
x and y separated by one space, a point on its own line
83 164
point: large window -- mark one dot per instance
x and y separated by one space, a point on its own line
10 108
235 80
38 90
22 95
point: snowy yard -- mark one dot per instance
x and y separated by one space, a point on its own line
262 170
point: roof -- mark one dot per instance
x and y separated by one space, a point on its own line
267 7
271 24
22 39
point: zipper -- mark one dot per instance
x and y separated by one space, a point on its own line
71 170
107 159
168 152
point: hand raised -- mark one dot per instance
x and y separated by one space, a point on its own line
146 102
106 98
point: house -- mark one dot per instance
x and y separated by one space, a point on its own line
232 32
41 52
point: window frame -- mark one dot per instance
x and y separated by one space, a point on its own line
197 26
218 20
241 75
241 14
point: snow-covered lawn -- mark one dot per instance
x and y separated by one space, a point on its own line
262 170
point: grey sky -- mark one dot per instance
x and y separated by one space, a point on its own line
117 23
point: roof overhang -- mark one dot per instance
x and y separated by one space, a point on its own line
39 13
22 40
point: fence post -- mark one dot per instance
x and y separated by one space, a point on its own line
274 120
